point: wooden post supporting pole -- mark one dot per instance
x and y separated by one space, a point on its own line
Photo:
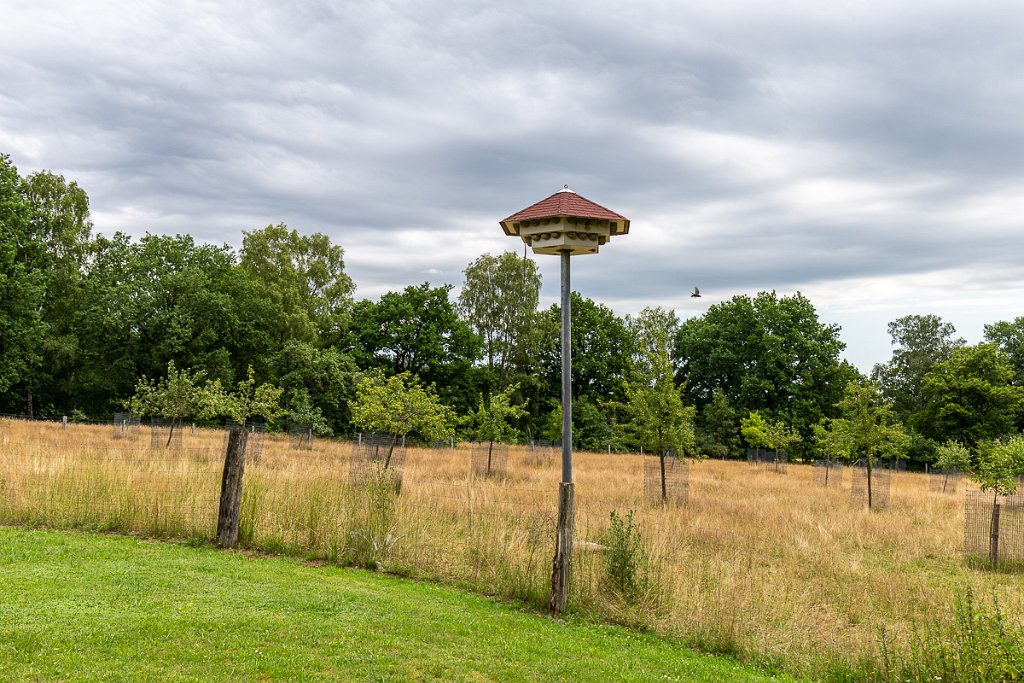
563 550
231 488
562 562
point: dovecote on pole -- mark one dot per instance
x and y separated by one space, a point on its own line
565 222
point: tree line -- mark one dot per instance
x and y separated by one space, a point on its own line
87 319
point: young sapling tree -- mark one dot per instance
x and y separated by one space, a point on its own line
491 421
658 419
398 406
866 428
950 456
1000 463
775 435
247 400
176 396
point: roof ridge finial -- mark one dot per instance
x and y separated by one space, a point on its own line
565 188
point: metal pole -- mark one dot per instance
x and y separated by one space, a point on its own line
566 372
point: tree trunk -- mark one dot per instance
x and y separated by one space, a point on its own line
171 434
231 488
993 533
869 483
391 450
664 488
490 449
28 404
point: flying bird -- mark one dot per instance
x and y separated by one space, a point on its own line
695 294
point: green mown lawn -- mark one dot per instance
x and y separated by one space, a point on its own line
76 606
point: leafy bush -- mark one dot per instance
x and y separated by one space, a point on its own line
626 561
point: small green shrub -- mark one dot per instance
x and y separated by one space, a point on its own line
626 561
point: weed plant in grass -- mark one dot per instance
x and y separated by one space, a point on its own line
626 565
769 567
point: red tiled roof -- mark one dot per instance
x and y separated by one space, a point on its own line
565 203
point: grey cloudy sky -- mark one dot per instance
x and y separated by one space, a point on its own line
869 154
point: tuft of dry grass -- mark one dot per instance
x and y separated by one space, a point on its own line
767 566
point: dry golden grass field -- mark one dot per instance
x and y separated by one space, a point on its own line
768 566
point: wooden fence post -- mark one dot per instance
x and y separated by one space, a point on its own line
231 487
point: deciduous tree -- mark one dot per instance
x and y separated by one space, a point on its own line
304 277
1010 338
866 428
499 300
492 421
658 419
921 341
158 299
325 377
178 395
248 399
953 455
774 435
768 353
601 349
717 428
400 405
22 282
1000 466
969 397
418 331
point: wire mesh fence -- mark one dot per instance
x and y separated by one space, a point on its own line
773 461
166 434
126 425
666 478
828 473
489 459
994 529
543 453
254 444
373 454
869 486
300 436
98 482
945 481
